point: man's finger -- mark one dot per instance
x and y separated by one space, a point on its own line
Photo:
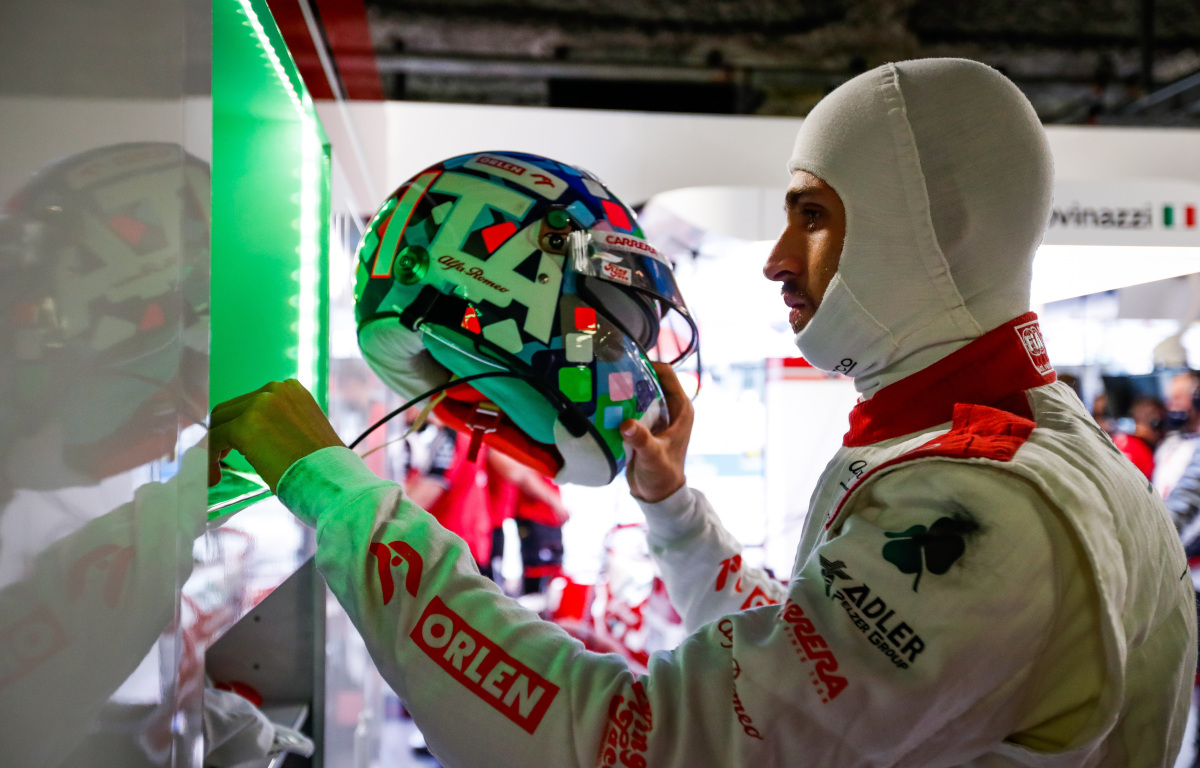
634 434
677 399
234 406
215 455
220 442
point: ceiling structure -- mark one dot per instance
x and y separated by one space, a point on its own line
1078 60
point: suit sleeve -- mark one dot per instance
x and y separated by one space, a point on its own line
701 561
872 671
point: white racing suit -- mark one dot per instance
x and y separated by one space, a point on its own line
983 580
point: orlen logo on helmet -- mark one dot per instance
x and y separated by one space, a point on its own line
503 165
620 274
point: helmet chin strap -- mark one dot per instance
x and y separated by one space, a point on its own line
484 419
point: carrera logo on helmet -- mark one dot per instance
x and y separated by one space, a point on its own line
620 274
630 244
503 165
483 667
1031 337
475 273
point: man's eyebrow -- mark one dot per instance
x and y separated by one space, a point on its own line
796 195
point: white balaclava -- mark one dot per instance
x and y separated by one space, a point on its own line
945 173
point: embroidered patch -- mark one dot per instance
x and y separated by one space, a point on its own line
758 598
934 549
1031 338
811 647
887 632
385 560
830 570
483 667
739 708
626 739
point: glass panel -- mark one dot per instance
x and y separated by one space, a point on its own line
104 241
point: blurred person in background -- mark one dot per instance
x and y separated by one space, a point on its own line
453 488
1182 421
1148 415
535 504
1177 477
472 498
1072 381
1101 415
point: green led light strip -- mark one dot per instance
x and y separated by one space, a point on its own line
308 224
269 50
310 251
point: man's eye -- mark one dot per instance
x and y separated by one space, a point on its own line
811 216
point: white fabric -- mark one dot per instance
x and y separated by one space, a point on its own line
583 461
399 358
1171 460
1087 621
945 173
1062 636
235 731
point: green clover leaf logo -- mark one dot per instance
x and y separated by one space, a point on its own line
934 549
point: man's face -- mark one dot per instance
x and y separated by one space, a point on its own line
807 254
1179 393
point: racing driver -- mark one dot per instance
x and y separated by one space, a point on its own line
982 579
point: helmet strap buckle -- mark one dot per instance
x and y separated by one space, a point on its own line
484 419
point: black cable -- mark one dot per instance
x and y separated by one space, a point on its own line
435 391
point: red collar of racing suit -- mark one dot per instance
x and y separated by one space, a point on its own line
993 370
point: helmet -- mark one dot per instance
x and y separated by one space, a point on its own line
103 302
521 266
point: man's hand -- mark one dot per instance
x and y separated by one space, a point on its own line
273 427
654 463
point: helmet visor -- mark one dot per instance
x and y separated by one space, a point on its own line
633 263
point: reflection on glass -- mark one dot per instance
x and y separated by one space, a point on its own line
103 377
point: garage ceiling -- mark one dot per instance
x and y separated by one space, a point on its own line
1079 61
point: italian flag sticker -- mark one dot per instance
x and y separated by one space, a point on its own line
1179 216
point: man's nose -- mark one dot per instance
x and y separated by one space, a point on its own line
785 259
